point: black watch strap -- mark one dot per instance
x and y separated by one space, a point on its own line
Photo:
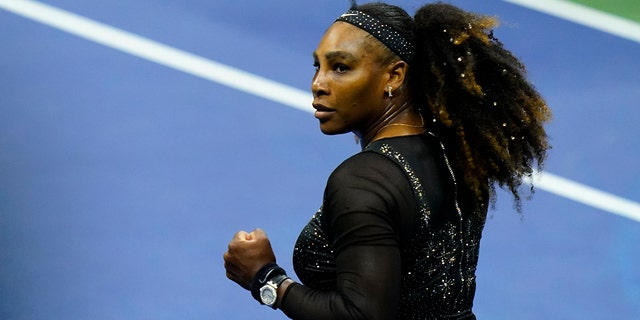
279 279
266 273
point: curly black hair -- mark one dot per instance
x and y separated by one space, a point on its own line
476 96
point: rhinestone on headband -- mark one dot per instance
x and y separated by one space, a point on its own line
384 33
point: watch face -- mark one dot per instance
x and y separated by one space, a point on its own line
268 295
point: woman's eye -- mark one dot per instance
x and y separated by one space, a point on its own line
341 68
316 66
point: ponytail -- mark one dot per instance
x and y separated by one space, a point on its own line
476 96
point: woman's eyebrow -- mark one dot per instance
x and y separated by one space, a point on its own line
337 55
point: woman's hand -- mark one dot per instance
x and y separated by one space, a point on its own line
247 253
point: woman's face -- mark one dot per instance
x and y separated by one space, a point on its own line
349 83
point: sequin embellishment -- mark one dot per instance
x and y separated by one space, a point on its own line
384 33
439 264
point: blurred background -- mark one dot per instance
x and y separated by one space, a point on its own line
137 136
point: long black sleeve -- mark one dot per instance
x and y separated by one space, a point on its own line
362 209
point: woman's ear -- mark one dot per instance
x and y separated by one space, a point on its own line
397 74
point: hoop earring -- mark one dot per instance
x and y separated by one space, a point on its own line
389 89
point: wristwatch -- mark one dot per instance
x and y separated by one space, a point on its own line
269 291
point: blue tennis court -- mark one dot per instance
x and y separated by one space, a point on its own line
125 170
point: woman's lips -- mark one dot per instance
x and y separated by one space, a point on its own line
322 112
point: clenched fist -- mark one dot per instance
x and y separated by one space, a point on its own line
246 254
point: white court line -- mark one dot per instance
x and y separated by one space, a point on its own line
587 195
586 16
268 89
158 52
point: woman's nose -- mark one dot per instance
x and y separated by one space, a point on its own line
318 85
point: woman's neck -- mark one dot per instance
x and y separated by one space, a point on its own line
404 120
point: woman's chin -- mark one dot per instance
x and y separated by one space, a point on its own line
330 131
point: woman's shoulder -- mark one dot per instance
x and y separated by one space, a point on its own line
363 162
366 167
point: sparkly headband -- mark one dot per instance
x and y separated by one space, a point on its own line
384 33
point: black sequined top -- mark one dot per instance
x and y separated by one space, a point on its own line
393 239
